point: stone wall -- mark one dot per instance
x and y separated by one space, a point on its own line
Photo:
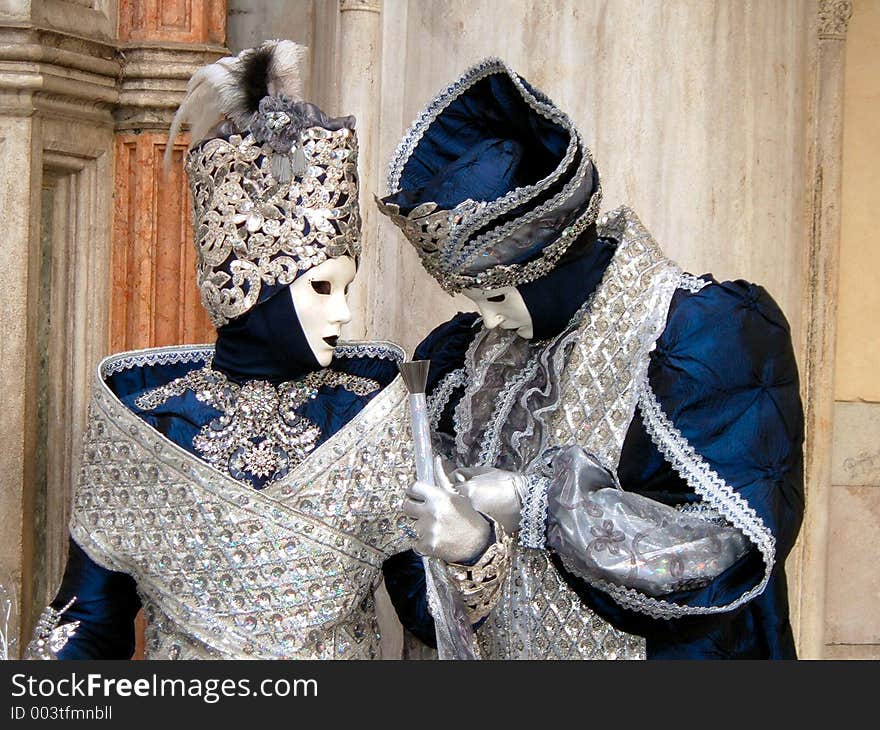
853 594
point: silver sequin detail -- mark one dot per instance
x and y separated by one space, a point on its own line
259 433
691 283
252 230
50 636
443 238
226 571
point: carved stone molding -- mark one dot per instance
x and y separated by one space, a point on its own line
153 81
53 72
369 6
834 16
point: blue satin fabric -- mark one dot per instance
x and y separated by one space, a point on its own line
265 343
580 270
725 373
107 601
485 143
106 605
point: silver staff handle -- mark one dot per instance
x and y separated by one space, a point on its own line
455 638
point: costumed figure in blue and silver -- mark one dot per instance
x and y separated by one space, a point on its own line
246 494
634 432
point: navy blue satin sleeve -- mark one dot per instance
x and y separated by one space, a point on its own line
106 605
724 372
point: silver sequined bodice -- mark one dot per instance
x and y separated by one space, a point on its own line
226 571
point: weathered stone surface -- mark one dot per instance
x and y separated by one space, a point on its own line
858 340
853 595
856 449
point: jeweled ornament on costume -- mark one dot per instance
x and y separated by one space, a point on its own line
259 433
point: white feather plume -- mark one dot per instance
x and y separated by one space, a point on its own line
215 92
285 75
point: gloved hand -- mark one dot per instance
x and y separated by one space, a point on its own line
446 524
494 492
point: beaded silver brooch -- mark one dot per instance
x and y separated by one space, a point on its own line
259 435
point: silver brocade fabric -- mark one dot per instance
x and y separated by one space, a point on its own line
251 230
226 571
523 398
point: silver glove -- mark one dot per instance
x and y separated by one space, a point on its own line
446 524
494 492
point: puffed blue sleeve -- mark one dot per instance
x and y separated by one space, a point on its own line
104 602
724 377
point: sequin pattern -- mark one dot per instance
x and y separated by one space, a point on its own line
251 230
258 433
229 572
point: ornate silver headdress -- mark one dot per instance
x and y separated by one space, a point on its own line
275 188
491 238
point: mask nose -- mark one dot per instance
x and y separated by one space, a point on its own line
339 312
491 319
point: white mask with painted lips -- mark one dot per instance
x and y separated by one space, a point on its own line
320 301
503 308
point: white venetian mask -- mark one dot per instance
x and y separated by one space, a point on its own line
503 308
320 301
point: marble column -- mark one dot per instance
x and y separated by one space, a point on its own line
359 79
821 298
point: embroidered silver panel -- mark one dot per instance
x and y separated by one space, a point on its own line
228 571
556 623
251 229
585 385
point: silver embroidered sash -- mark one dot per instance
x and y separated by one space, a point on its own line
227 571
522 399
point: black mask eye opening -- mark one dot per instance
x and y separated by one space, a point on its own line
322 287
497 298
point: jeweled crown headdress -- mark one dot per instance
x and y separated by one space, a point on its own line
274 185
493 183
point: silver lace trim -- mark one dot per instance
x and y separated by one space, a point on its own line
172 355
693 284
472 218
442 393
177 354
716 494
533 518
